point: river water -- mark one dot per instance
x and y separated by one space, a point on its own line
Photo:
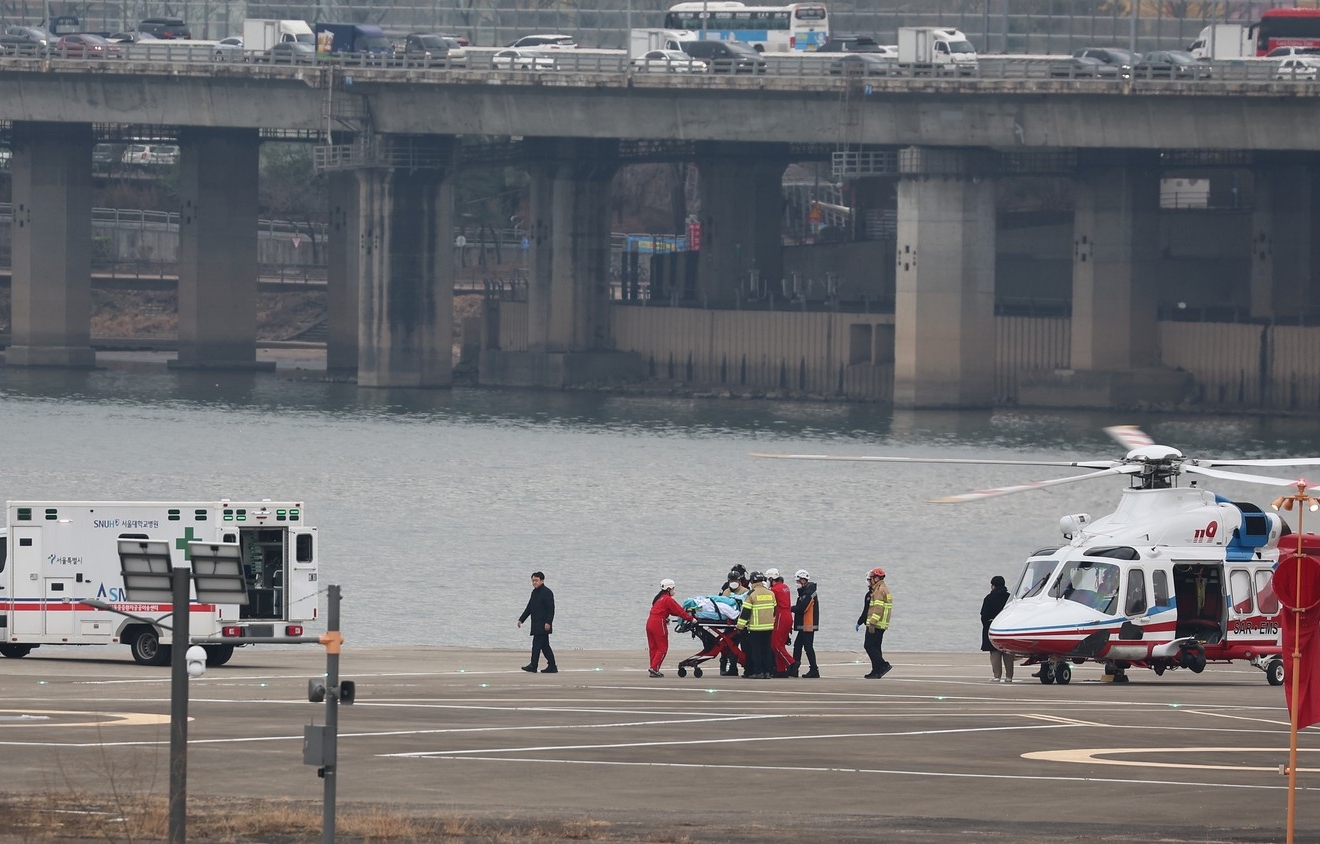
435 506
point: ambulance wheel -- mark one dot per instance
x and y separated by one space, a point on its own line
218 654
20 651
1273 672
1063 673
696 672
147 649
682 672
1046 674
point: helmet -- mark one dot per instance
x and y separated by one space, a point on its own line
735 575
756 577
877 572
738 567
802 575
666 584
772 574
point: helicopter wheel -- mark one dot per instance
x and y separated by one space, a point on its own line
1046 674
1274 672
1063 674
696 672
682 672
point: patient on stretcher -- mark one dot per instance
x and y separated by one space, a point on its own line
714 607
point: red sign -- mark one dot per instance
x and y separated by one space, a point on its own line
1297 581
694 236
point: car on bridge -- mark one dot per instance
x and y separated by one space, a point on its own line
430 48
1083 67
668 61
521 60
858 44
1171 64
545 42
1287 52
1116 56
291 52
726 56
1298 69
84 45
165 28
25 41
865 64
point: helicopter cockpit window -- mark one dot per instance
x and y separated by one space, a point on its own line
1034 577
1089 583
1266 600
1135 603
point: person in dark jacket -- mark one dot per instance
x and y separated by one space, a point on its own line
806 615
1001 664
541 610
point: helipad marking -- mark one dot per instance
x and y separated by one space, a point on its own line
46 717
1095 756
1058 720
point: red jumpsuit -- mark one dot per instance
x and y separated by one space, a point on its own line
783 627
657 627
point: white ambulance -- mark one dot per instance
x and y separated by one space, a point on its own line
54 555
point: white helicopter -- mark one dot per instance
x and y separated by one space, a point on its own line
1176 577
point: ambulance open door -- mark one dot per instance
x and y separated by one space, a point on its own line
302 585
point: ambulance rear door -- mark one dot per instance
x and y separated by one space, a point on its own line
303 586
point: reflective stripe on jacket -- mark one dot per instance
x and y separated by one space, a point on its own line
758 611
881 605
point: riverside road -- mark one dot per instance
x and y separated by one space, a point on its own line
931 753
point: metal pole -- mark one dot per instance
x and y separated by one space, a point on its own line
1132 33
179 708
1296 679
331 715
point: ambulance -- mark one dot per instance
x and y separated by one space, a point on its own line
57 555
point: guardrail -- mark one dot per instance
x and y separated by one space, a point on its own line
807 65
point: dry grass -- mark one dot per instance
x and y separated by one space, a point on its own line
71 819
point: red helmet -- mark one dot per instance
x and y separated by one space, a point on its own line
877 572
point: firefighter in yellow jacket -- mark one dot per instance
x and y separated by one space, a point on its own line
758 619
875 615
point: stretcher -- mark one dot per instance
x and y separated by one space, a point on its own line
718 638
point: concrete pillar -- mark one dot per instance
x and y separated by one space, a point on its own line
218 249
341 340
568 289
1115 248
406 263
944 332
741 222
52 246
1281 242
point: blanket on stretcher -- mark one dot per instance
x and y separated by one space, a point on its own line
714 607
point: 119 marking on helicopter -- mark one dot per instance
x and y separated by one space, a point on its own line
1175 577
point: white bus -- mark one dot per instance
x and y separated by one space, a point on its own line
770 29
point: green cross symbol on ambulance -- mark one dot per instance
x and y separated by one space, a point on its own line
182 544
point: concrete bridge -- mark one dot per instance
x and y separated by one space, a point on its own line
390 137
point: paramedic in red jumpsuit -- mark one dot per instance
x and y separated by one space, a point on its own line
663 606
783 623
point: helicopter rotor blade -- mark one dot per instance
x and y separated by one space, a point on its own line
1239 476
1083 464
1128 469
1269 461
1129 436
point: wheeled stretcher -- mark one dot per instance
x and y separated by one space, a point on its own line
718 638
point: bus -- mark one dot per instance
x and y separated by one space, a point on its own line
769 29
1287 28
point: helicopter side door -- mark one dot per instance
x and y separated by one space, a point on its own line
1198 587
1253 607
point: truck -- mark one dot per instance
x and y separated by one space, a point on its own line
64 584
1224 41
260 34
643 41
935 49
356 38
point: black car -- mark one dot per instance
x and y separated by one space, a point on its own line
1170 64
165 27
1116 56
725 56
865 64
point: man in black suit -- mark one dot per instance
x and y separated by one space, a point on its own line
541 609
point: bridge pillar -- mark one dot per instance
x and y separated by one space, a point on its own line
742 242
1115 359
342 253
1282 259
51 298
218 250
944 320
568 287
405 263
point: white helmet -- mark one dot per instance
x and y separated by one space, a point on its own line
666 584
802 575
772 574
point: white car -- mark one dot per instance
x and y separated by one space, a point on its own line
521 60
546 42
229 49
1297 69
668 61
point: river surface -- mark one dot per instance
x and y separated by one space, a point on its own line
434 507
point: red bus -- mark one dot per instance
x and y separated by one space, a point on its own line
1287 28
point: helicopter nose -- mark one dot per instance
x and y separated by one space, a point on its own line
1048 627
